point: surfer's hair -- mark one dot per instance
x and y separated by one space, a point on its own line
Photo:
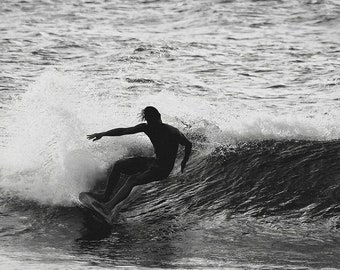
150 114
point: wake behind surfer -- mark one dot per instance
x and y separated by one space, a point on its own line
142 170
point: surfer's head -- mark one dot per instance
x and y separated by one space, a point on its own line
151 115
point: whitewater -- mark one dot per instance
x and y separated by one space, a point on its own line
253 84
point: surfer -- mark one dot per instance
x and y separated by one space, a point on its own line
142 170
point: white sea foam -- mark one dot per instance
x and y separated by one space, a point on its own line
222 123
46 158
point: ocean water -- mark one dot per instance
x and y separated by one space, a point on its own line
253 84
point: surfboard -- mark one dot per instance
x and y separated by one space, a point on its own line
87 202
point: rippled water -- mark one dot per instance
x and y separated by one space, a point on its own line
255 86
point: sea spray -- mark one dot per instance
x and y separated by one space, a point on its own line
46 157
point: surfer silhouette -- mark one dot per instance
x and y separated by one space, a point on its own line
142 170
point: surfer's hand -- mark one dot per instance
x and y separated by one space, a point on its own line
183 164
95 136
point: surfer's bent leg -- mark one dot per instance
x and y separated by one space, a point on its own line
152 174
127 166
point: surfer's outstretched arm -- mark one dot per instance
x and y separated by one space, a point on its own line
118 132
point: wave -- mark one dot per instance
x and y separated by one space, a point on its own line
241 161
292 178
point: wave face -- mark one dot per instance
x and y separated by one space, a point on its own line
287 178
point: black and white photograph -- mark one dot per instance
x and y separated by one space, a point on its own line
169 134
